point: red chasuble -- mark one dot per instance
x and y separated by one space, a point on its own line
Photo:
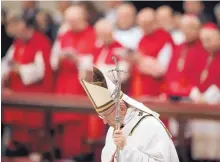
150 45
105 58
24 53
180 76
68 76
68 83
208 71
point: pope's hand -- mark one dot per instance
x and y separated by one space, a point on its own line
119 139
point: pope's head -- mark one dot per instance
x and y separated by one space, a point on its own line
100 92
109 115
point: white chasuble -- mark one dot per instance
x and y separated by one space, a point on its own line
147 140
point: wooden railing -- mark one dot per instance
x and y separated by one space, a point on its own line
50 103
82 104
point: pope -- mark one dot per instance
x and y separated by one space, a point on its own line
142 136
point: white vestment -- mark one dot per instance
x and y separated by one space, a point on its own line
110 15
128 38
147 140
177 36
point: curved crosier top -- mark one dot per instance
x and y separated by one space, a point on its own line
100 92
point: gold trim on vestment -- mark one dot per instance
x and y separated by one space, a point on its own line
131 132
138 124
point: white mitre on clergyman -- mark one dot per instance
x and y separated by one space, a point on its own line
100 93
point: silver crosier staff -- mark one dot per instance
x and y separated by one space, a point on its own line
116 96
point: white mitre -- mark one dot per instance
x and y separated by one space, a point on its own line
99 92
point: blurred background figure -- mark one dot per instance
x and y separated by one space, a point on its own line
45 24
126 31
60 26
153 57
110 13
30 9
197 8
7 43
4 37
177 20
206 133
107 47
61 7
180 77
217 14
154 54
93 13
167 20
29 54
207 73
72 58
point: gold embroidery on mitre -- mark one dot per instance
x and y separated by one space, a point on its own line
103 107
98 83
106 106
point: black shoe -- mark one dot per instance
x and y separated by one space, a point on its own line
84 157
20 150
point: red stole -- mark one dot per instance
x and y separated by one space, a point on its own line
208 71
